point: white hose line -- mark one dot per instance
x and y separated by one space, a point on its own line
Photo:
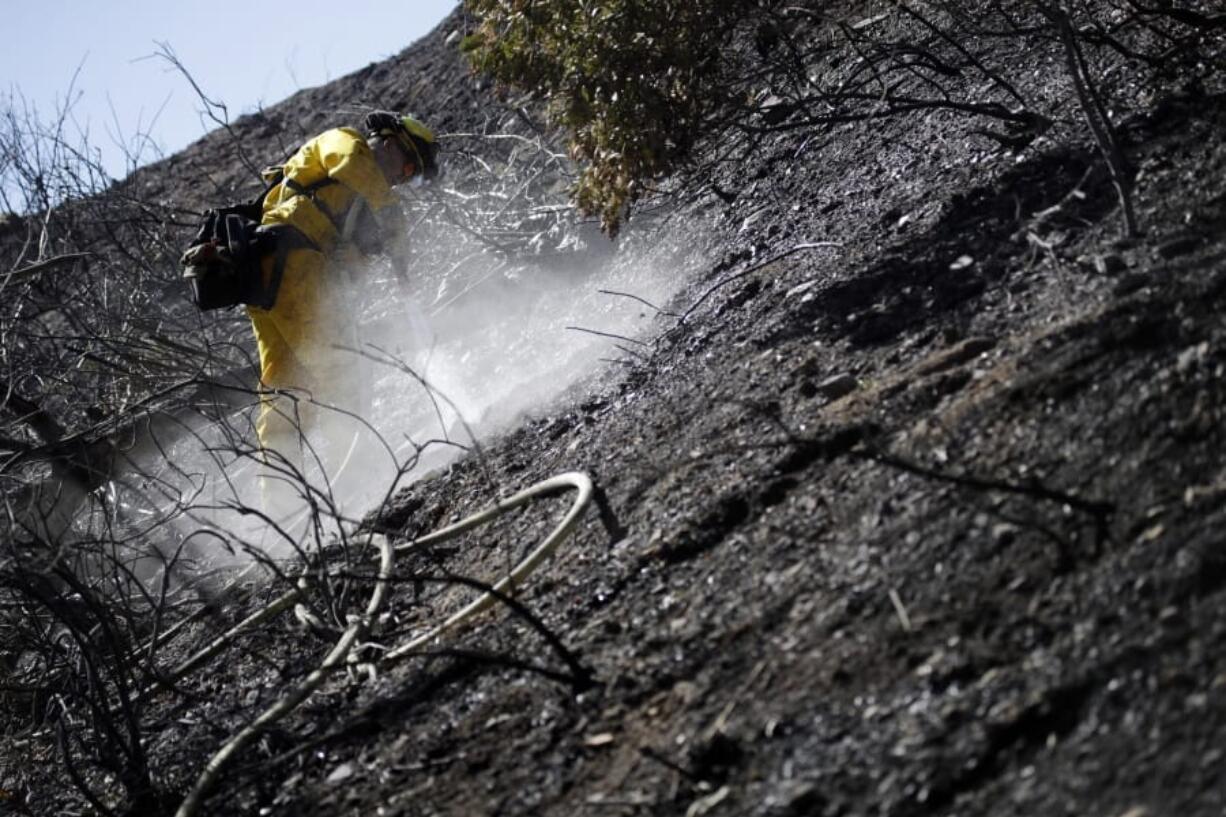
283 602
579 481
576 480
357 629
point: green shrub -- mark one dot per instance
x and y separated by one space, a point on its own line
634 82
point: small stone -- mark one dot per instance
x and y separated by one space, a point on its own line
340 774
752 219
710 757
963 352
1108 264
705 805
775 110
1178 246
595 741
800 289
1197 493
1191 357
1130 283
1004 534
798 798
838 386
1152 534
963 262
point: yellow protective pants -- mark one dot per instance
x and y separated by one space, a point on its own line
303 372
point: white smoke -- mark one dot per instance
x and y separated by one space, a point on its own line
491 343
459 349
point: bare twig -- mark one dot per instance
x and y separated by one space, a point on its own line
752 268
1095 112
613 335
643 301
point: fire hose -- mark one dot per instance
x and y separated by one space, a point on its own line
358 626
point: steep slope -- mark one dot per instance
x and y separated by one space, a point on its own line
926 520
894 533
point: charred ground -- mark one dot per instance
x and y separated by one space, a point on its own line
927 523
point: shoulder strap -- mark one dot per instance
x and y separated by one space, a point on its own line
309 190
276 175
282 238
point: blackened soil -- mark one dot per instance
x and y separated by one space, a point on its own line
931 523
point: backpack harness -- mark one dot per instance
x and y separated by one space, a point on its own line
223 262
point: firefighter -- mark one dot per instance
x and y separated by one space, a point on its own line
336 193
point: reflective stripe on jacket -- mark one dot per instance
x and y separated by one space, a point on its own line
342 155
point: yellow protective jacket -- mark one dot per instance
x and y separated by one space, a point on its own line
343 156
298 337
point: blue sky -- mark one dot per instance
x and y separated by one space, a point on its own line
242 54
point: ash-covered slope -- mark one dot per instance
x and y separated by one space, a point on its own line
929 522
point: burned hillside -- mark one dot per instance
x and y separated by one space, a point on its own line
908 485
